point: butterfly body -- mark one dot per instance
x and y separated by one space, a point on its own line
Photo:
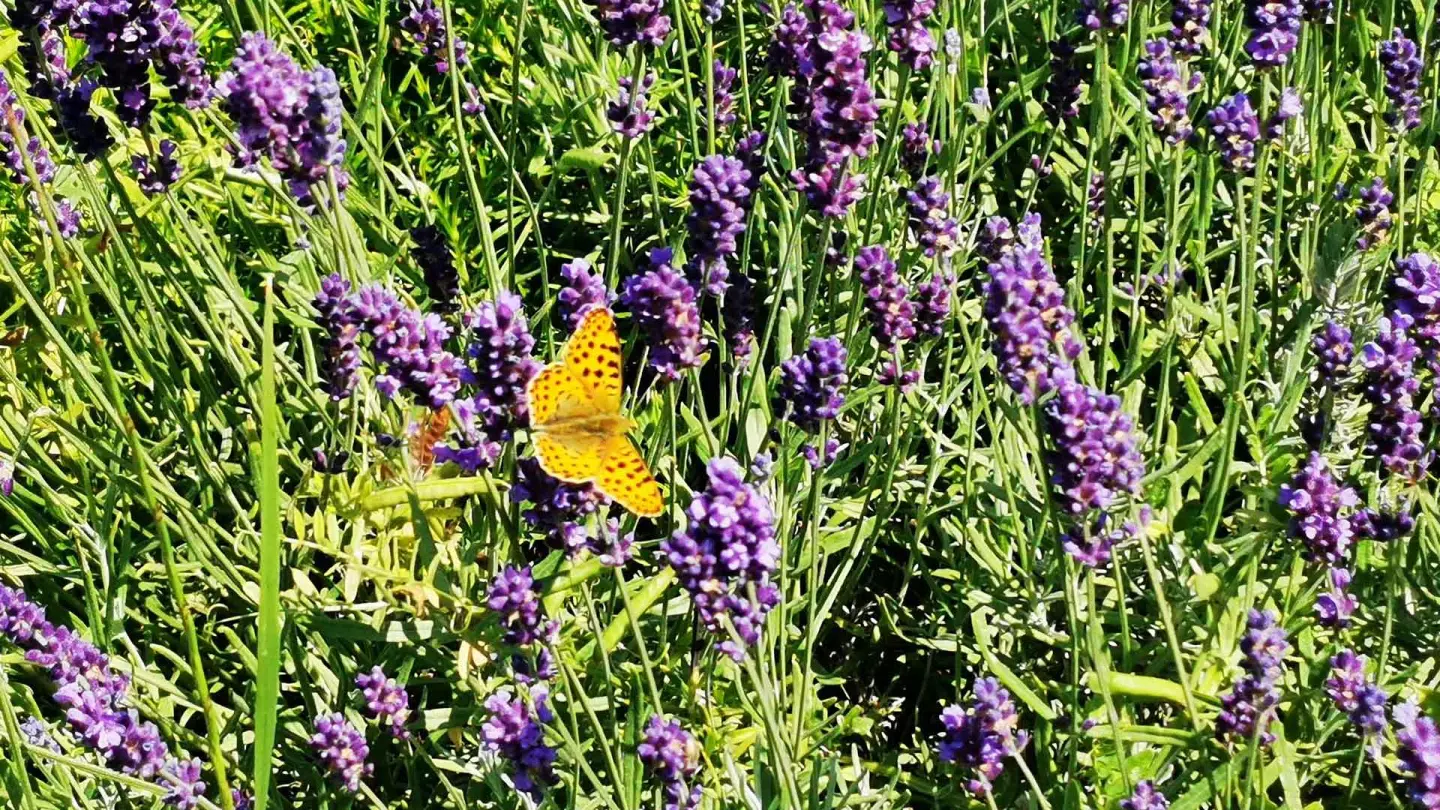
579 432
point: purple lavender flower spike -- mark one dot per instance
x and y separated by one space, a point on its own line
1063 88
1026 311
1248 710
1236 129
342 750
499 348
425 24
241 799
1093 455
632 22
1318 11
1357 696
627 113
410 348
719 199
1091 546
176 57
790 41
983 737
1390 386
664 308
1383 525
739 317
584 288
1419 752
157 179
671 753
1095 201
1334 607
432 254
1274 31
1401 59
917 148
932 305
724 80
12 116
86 133
1413 296
1111 15
513 597
1318 506
341 363
1167 93
891 313
908 35
515 729
385 700
812 384
818 458
927 204
7 477
728 549
1145 797
1372 214
186 786
1189 27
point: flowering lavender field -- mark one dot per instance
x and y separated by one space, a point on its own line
1042 397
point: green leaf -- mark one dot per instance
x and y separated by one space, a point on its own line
267 648
585 158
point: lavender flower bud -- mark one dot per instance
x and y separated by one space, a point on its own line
1093 455
671 753
812 384
627 113
1025 309
513 597
1107 14
719 192
1274 31
632 22
1236 129
1373 214
1145 797
1401 59
916 148
1317 504
928 204
663 304
515 730
1383 525
908 35
724 79
932 305
336 313
983 737
1167 93
1248 710
342 750
584 288
157 179
1189 27
426 26
385 700
891 313
1067 75
1413 297
1389 386
1334 607
554 503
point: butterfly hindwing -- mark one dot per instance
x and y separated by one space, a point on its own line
624 476
573 458
593 355
556 394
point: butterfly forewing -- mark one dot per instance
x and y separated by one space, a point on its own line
556 395
593 354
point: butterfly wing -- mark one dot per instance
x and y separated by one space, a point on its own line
624 476
556 394
593 354
575 458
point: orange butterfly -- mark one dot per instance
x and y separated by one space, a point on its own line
580 434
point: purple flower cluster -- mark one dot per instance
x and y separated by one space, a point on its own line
432 254
1290 108
1067 76
928 205
1145 797
513 597
1413 295
1189 26
627 113
738 315
583 288
985 736
719 202
385 700
500 350
1167 92
1401 59
285 114
1333 608
917 148
728 549
336 315
409 347
812 384
632 22
86 133
426 26
1249 708
671 753
1383 525
1317 504
342 750
12 118
891 313
124 39
96 700
1093 454
1318 11
1419 752
1373 214
1236 129
556 507
35 733
157 178
1360 699
833 102
515 730
1026 311
1095 15
908 35
1095 201
1390 385
724 80
1274 31
663 304
932 305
